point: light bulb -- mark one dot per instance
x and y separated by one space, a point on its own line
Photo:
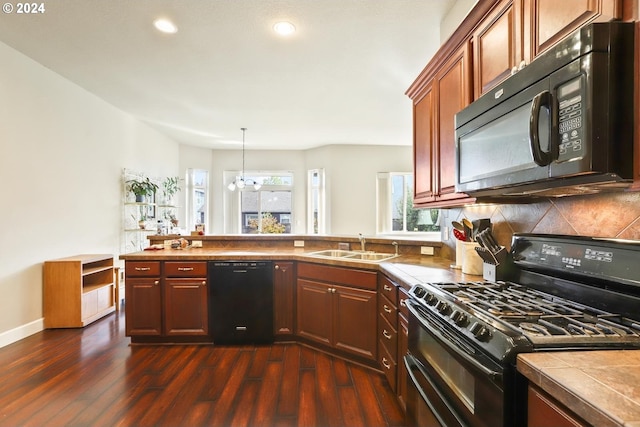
240 184
232 186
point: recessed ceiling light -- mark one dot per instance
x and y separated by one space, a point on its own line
165 26
284 28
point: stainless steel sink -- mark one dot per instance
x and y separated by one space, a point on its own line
353 255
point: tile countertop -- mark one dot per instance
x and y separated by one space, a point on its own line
602 387
405 269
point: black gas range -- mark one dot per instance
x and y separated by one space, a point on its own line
556 293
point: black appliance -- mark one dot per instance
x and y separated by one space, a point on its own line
566 292
562 125
241 302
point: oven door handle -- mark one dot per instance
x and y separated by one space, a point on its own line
447 339
412 364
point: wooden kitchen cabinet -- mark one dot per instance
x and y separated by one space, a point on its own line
388 329
436 103
403 346
166 300
78 290
544 411
186 308
497 45
143 307
283 298
546 22
336 307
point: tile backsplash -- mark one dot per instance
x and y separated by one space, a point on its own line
603 215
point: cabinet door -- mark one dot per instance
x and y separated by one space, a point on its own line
186 308
454 93
143 309
497 45
403 347
552 20
423 145
283 297
355 321
543 412
314 311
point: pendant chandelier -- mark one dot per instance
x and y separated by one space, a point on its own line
241 183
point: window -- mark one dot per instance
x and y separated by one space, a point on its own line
315 202
266 210
396 213
197 198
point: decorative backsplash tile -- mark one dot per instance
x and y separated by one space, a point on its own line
603 215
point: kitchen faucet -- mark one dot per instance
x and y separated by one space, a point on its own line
362 241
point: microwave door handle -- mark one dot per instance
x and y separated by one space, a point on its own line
543 99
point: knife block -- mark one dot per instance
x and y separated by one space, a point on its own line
501 271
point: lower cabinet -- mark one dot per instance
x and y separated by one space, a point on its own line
336 307
544 411
284 282
166 300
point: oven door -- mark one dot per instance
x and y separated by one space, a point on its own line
451 383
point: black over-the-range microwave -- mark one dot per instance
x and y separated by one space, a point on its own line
562 125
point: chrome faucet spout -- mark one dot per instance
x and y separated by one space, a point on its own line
396 246
362 241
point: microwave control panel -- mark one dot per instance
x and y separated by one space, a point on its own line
570 118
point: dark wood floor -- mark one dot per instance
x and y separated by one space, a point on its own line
93 377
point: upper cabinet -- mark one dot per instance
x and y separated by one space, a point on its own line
497 38
498 45
549 21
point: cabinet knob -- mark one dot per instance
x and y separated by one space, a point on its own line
204 282
277 267
157 282
386 363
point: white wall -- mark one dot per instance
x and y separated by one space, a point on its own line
351 182
454 17
61 159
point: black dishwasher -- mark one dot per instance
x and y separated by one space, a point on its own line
241 302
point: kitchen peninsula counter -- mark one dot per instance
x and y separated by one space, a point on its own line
601 387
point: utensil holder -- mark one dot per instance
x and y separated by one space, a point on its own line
471 261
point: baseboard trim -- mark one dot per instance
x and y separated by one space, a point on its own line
23 331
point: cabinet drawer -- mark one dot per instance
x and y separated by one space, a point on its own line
388 335
142 268
338 275
185 269
389 366
388 311
387 288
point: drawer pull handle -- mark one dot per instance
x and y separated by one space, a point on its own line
185 268
403 302
386 308
386 334
387 288
386 363
143 268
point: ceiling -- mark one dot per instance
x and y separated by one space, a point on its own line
339 79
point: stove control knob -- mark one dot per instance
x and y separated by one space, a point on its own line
459 318
479 331
443 307
430 299
419 292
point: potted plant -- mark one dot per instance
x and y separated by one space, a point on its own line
170 186
142 188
